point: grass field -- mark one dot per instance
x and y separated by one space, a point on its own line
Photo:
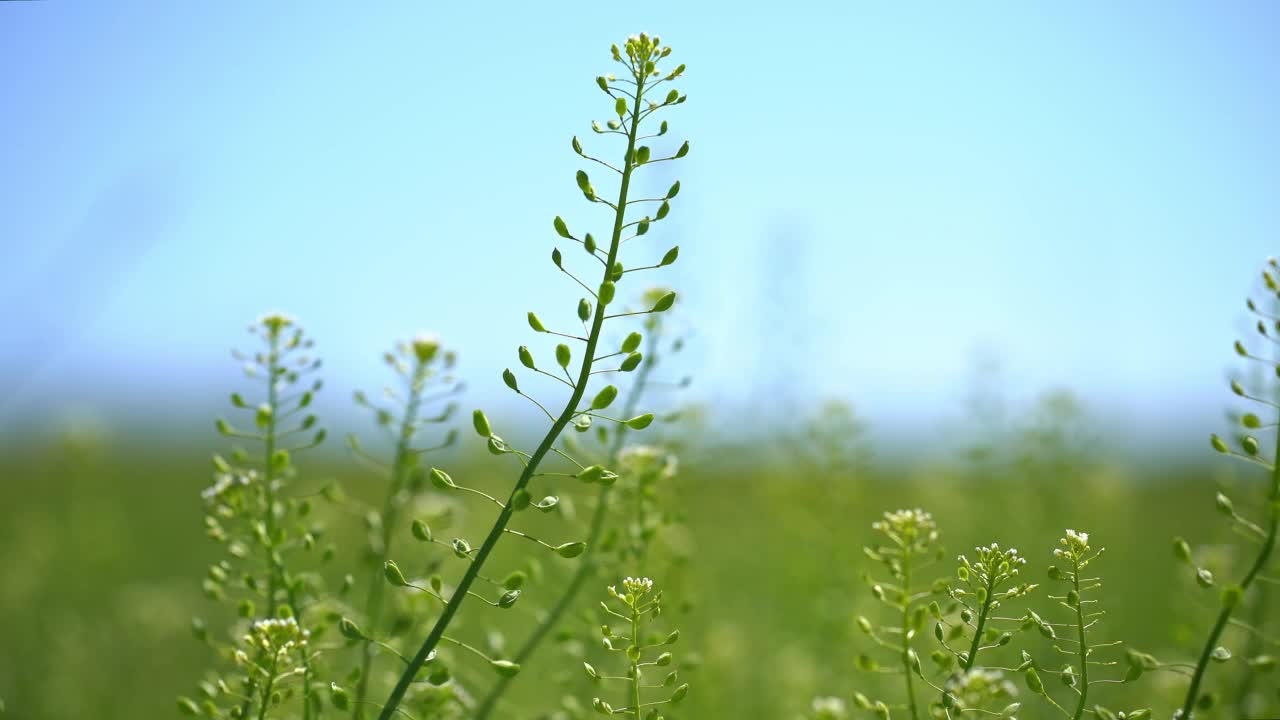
101 547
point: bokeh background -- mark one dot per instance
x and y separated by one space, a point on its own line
988 259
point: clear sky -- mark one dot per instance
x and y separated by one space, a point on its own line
877 193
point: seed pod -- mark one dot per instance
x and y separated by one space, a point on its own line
570 549
684 150
584 184
393 574
672 96
536 324
604 84
577 146
675 189
561 228
421 531
631 342
350 630
519 500
642 155
680 693
515 580
509 378
589 243
584 310
563 355
643 226
607 291
604 398
664 303
670 257
1224 505
526 357
1204 578
556 258
505 668
481 423
1034 684
339 697
631 362
441 480
508 599
640 422
663 210
620 107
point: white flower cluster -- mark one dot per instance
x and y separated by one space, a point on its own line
978 686
908 524
636 587
277 636
644 459
1074 545
225 482
829 708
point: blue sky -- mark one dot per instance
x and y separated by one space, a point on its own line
877 193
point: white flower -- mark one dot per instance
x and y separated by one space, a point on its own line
829 708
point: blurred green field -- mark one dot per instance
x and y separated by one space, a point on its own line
102 555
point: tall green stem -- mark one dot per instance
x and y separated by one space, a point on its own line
635 663
906 630
275 574
1084 646
390 516
584 376
972 658
587 566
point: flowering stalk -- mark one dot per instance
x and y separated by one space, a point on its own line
418 363
641 55
1266 533
640 605
588 566
912 535
245 509
1078 554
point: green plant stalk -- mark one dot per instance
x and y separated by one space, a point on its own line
274 571
972 658
1224 615
635 663
378 580
1256 645
584 375
587 566
906 629
1084 647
